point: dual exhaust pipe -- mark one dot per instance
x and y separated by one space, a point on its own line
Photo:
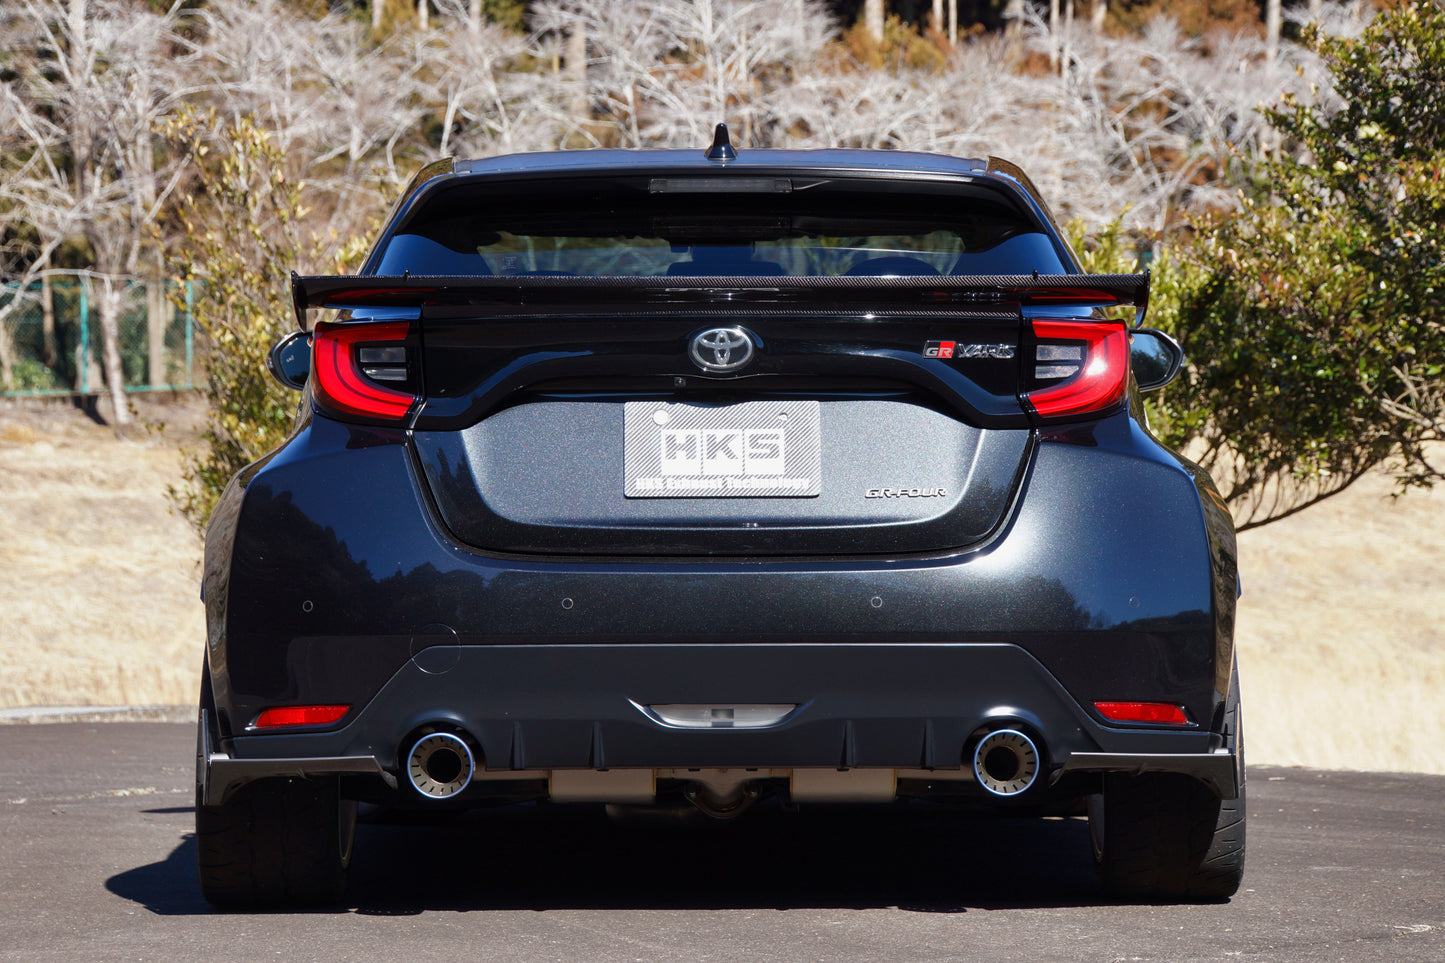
441 764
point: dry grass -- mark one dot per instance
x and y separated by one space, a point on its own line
1342 650
98 580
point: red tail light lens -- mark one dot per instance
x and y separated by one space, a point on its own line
287 716
1079 367
364 369
1155 713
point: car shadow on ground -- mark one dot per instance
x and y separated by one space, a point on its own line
167 888
923 859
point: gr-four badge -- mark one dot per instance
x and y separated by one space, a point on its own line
955 349
933 492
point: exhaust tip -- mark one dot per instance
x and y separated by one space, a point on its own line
1006 762
440 765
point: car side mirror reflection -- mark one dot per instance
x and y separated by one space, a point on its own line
1155 357
290 360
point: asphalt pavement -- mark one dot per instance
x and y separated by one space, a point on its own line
97 862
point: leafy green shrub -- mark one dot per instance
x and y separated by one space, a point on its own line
243 235
31 374
1312 317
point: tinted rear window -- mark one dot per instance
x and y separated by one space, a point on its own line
694 227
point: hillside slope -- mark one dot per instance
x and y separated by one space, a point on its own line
1342 646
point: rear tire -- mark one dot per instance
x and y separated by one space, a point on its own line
1166 835
276 841
273 841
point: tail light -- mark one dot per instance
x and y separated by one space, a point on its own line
1155 713
1076 367
366 370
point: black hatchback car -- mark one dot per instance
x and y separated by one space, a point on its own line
698 478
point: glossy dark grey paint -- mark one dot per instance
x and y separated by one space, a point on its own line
540 464
335 570
362 565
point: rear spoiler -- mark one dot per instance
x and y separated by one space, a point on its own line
347 292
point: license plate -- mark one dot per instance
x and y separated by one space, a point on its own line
755 449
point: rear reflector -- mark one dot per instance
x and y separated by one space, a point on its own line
285 716
1156 713
1088 359
350 361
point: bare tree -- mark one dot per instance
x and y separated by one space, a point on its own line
665 72
1149 122
1272 22
1154 122
103 73
873 13
1343 18
36 209
630 72
1013 15
575 64
342 110
471 84
1054 34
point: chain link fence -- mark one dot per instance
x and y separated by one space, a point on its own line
50 340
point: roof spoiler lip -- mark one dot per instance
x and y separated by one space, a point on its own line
346 292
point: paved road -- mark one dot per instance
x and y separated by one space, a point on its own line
97 863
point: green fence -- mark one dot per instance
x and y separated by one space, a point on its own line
58 352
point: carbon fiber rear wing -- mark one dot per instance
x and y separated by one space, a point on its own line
347 292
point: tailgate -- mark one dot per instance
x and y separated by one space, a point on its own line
726 416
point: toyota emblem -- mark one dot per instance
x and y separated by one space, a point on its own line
722 349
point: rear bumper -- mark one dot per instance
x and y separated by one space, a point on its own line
217 773
1219 769
319 587
530 710
220 773
323 590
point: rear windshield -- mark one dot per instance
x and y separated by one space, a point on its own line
688 227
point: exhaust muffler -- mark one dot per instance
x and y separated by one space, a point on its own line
440 765
1006 762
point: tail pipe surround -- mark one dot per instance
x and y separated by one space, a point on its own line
1006 762
440 765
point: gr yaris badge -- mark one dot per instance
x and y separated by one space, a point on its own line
722 349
